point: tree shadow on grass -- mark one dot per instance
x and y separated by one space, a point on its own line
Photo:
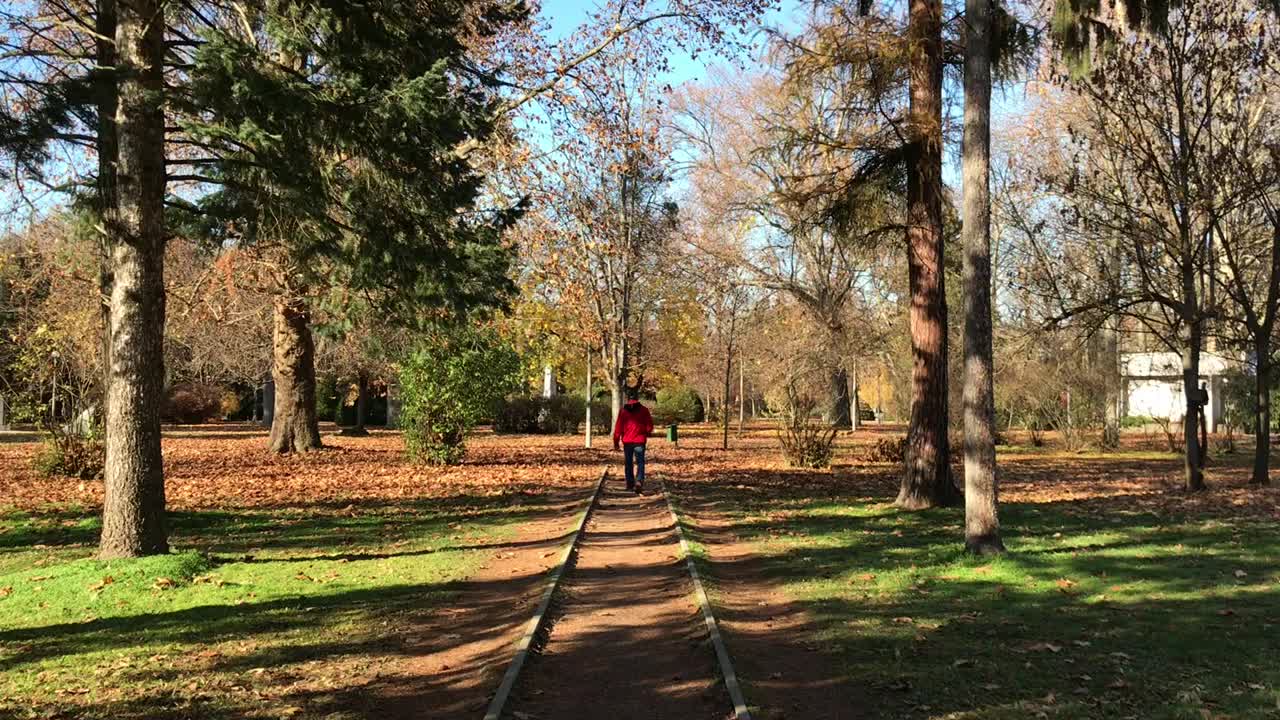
1105 609
272 648
300 527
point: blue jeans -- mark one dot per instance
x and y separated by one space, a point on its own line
634 453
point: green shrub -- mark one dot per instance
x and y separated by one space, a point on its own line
328 401
452 380
679 404
66 454
560 415
517 414
601 417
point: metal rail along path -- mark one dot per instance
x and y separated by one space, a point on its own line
539 626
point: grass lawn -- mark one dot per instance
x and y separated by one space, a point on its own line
1120 598
285 595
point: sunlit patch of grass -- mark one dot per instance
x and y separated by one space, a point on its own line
293 606
1094 614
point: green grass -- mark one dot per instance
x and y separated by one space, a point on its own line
258 613
1116 615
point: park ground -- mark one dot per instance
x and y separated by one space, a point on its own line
350 584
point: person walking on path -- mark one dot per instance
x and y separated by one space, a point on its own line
632 430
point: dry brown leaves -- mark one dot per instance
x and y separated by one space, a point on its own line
1136 480
229 466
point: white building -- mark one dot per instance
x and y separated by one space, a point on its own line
1153 385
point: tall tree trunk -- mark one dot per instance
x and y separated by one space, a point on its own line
724 421
1113 385
1113 378
108 199
587 440
981 489
615 363
393 403
838 410
133 516
1192 470
362 403
855 407
742 395
1262 420
926 481
294 426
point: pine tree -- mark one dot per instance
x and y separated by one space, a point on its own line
331 137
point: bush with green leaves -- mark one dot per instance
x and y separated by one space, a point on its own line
451 381
69 454
679 404
517 414
559 415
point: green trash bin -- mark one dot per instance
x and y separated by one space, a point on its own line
673 433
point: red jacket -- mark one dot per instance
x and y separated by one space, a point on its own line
633 425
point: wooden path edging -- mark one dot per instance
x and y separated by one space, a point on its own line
539 616
722 653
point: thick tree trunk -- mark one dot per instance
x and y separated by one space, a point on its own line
133 516
855 405
1262 421
926 481
108 198
393 404
268 401
981 488
362 406
1192 470
294 426
838 410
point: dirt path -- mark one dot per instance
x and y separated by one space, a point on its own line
628 640
451 663
772 640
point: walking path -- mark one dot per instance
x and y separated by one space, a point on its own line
627 639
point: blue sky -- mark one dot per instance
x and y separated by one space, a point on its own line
565 16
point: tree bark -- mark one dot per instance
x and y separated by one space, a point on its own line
108 153
838 411
362 405
1192 470
742 396
981 488
617 396
1113 386
133 514
724 420
294 426
926 481
587 440
393 403
1113 380
1262 420
855 408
